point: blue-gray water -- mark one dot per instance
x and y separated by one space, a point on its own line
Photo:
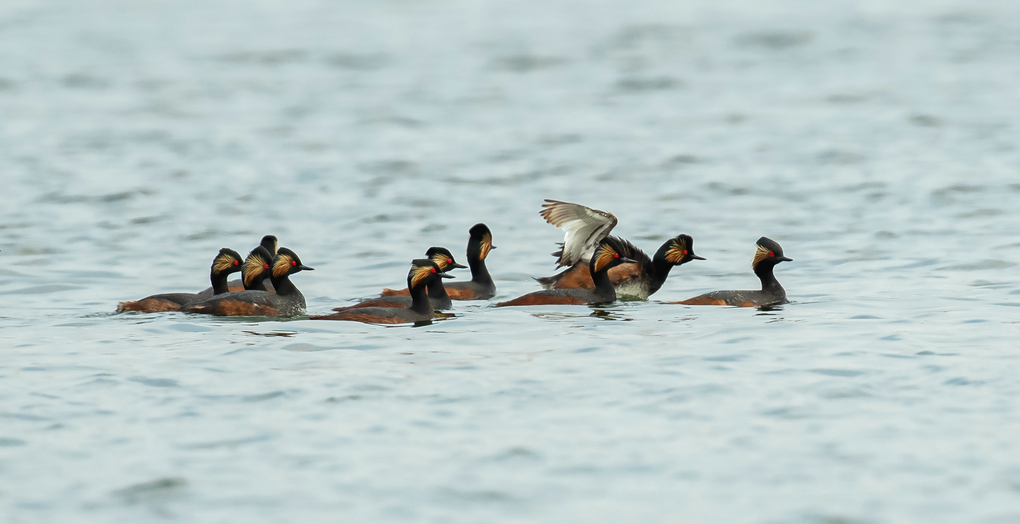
877 143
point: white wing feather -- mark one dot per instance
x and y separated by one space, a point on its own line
583 229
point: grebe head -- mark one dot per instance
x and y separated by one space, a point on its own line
226 262
270 243
769 252
443 258
481 240
424 271
681 250
287 263
256 267
607 255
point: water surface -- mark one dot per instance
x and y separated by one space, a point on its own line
876 143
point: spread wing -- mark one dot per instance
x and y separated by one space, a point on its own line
583 229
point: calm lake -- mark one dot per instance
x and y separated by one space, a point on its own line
877 143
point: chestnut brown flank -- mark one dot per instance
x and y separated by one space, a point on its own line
538 299
360 317
148 305
371 303
579 277
703 301
387 292
624 273
459 293
236 308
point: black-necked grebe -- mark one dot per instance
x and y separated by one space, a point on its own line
287 301
481 286
227 261
270 244
768 254
423 273
436 290
605 257
584 227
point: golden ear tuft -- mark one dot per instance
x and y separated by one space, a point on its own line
760 254
223 263
677 251
282 265
486 246
420 272
441 260
254 265
605 255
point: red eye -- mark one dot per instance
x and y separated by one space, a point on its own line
236 262
771 254
293 262
433 270
616 255
685 251
265 266
449 261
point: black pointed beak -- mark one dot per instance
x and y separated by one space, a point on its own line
455 266
785 259
305 268
445 275
625 260
696 257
